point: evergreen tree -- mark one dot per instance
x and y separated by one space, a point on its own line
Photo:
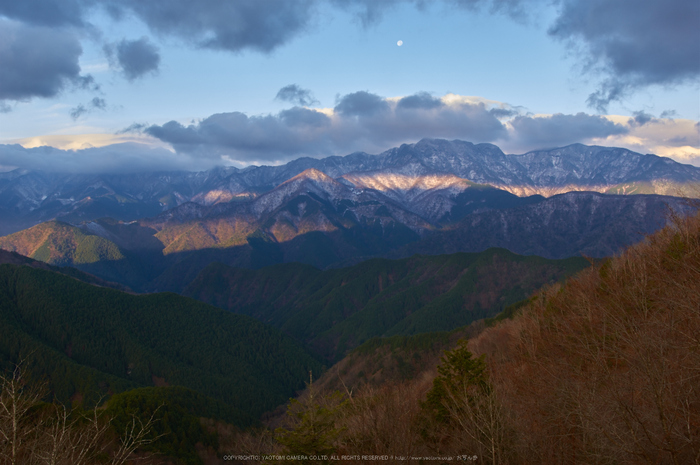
313 437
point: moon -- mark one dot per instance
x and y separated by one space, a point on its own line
399 43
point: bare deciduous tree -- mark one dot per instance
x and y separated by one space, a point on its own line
32 432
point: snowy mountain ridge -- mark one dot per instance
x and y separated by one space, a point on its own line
421 178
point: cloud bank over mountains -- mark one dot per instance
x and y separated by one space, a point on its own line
360 121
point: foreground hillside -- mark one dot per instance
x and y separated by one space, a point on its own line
603 369
610 362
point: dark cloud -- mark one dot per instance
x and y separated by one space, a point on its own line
94 104
370 12
38 61
558 130
421 100
296 95
519 10
116 158
635 42
135 128
641 118
504 112
668 114
45 12
292 132
135 58
361 104
78 111
224 25
98 103
362 121
298 117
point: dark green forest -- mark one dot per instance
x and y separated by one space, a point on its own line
88 342
336 310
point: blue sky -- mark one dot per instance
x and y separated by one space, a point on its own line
197 87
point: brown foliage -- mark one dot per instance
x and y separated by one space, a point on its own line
606 369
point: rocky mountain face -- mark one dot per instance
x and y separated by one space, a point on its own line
420 178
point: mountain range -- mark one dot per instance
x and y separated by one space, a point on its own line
419 177
432 197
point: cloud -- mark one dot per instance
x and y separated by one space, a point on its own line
538 132
520 10
38 62
94 104
370 12
635 43
361 104
78 111
115 158
675 138
232 26
257 138
360 121
224 25
296 95
134 128
421 100
98 103
629 44
135 58
45 12
640 118
668 114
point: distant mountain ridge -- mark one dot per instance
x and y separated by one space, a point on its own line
412 175
431 198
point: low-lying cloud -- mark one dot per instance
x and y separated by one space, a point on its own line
557 130
360 121
115 158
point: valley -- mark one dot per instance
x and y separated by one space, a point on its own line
216 295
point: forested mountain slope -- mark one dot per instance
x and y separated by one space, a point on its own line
89 341
338 309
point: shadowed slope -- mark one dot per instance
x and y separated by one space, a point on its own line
336 310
